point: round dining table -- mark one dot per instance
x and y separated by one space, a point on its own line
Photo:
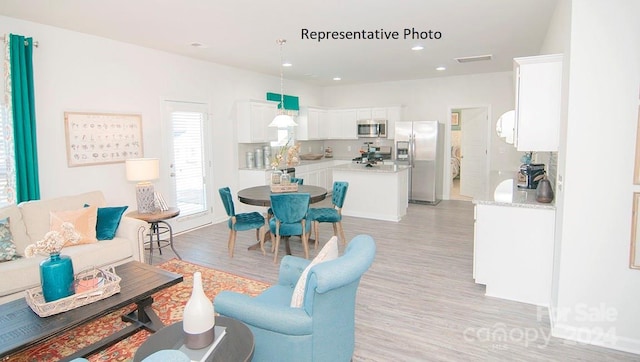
261 195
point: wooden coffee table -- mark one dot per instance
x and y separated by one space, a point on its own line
23 328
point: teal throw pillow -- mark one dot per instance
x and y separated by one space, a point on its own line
7 247
108 221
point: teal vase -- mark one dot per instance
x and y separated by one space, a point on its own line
56 276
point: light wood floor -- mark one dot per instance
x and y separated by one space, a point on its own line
418 302
455 191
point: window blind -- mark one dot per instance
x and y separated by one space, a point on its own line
188 149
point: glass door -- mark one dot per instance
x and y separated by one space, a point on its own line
190 163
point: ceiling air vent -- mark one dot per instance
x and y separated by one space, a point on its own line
476 58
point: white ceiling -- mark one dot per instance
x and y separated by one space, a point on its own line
243 33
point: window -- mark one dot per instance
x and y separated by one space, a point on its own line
284 135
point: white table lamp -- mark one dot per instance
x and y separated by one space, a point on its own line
143 170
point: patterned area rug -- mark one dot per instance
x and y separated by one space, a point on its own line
168 304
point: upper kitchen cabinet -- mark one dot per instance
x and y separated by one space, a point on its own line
393 114
538 96
313 124
253 118
343 124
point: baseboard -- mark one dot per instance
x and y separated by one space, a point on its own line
594 336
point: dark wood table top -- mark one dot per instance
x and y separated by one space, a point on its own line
260 195
156 216
23 328
236 345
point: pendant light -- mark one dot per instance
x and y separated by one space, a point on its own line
282 120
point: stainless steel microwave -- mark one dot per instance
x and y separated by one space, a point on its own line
372 128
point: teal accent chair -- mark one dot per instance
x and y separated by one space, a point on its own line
241 222
331 214
324 328
289 219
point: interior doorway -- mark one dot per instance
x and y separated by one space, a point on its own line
469 154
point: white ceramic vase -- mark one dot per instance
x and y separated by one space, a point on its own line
198 319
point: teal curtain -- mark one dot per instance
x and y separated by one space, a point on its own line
24 118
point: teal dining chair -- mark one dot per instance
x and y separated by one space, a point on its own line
331 214
297 180
240 222
294 180
289 219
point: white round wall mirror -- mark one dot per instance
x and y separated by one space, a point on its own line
505 127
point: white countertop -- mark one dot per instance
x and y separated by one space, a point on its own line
503 190
302 163
359 167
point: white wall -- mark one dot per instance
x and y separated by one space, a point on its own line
557 41
78 72
433 99
596 294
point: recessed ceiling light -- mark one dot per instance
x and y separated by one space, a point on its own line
441 68
417 47
337 78
287 64
476 58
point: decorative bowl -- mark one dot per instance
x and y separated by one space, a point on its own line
311 156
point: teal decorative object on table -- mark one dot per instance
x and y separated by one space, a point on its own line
56 277
56 272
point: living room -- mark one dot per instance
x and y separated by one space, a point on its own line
80 72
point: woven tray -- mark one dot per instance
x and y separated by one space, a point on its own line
91 285
284 188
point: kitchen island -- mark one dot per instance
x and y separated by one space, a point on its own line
513 242
379 192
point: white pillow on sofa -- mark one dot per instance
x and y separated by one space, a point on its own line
328 252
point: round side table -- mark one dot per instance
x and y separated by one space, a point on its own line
158 228
236 345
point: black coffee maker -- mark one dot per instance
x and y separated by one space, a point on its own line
530 174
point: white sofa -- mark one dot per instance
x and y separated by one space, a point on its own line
29 221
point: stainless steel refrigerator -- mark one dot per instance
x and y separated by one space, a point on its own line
419 145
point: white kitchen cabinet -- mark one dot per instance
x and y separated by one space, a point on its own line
316 177
379 113
513 252
250 178
314 174
322 178
364 113
313 124
393 114
316 123
253 118
343 124
538 97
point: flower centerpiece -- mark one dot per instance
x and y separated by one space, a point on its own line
53 241
56 272
287 154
